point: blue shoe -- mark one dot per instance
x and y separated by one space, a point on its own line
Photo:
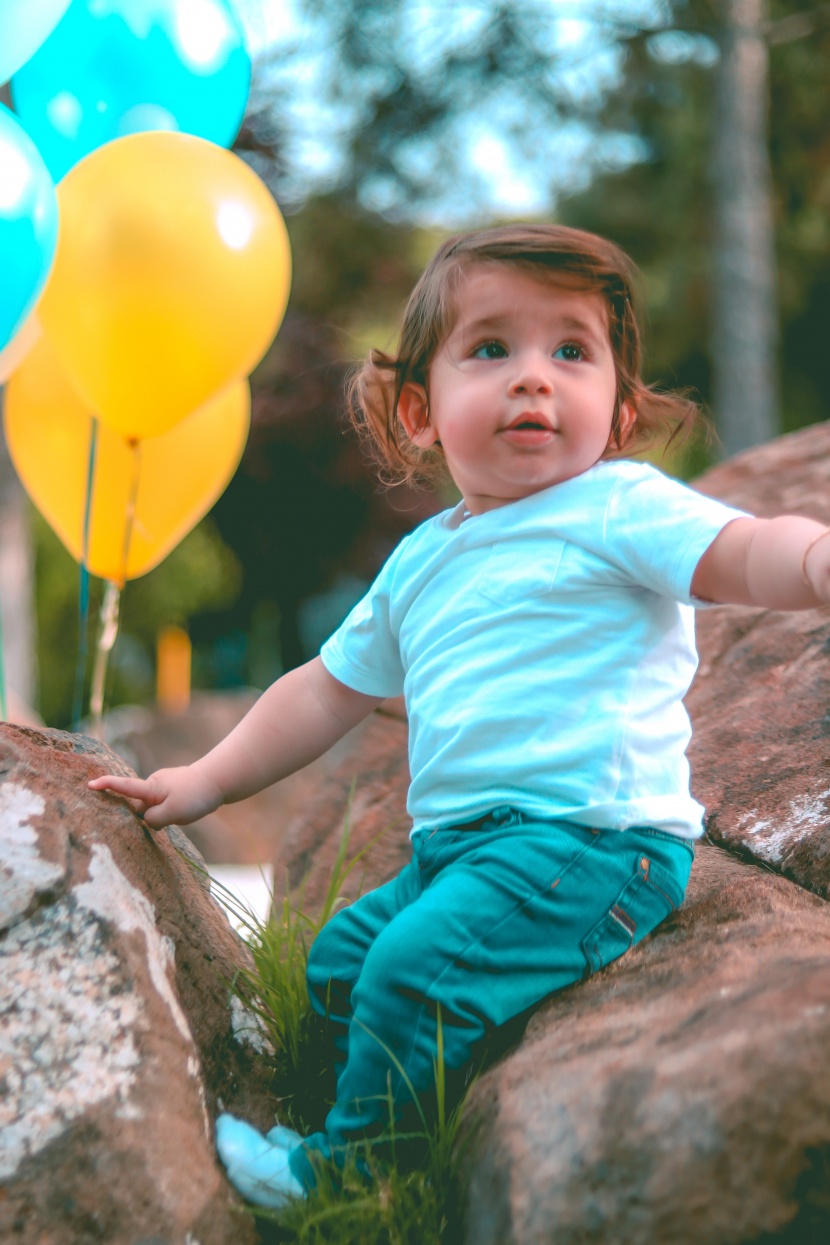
256 1167
283 1137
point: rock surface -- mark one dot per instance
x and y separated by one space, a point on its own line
760 705
367 790
118 1038
682 1095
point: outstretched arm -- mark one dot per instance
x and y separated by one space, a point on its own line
295 721
780 564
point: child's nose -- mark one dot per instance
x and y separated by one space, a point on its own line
532 375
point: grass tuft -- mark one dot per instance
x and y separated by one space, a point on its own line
376 1197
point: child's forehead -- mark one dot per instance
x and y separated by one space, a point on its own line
495 291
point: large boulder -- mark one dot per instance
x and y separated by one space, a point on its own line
682 1095
119 1036
760 705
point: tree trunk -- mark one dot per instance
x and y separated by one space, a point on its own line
744 313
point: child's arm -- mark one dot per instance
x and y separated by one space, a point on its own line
295 721
781 564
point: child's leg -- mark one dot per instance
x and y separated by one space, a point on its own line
257 1165
508 913
337 954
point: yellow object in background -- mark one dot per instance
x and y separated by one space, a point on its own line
173 653
19 346
180 474
170 280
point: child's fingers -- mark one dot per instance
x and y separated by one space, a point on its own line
135 788
166 797
139 794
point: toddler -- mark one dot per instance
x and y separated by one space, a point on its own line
542 633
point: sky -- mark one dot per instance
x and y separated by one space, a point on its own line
507 181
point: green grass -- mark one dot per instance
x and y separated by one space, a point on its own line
378 1197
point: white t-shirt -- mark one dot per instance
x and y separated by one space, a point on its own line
543 649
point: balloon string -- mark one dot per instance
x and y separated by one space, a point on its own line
106 641
83 594
110 609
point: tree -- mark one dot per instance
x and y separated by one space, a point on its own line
744 319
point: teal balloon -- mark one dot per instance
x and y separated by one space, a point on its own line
24 24
117 67
28 225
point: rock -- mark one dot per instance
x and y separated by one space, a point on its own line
680 1096
760 705
118 1038
368 790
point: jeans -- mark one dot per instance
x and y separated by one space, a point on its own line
481 925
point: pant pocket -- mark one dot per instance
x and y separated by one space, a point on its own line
645 900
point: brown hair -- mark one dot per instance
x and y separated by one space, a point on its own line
583 259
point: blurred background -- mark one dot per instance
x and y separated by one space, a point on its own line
695 134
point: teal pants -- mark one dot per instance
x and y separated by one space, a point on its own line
481 925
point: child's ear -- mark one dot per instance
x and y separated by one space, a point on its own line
413 412
627 420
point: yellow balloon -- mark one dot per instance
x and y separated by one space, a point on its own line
180 474
170 280
19 346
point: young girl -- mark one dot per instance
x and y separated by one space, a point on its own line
542 633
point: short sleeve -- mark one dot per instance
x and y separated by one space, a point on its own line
364 652
657 530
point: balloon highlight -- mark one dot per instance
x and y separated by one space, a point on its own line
28 225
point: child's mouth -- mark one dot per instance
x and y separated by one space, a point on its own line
528 432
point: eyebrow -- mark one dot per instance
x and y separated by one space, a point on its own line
486 324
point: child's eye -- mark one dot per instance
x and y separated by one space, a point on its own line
571 352
490 350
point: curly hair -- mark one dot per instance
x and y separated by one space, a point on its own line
568 256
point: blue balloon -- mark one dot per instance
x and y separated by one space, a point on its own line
115 67
24 24
28 225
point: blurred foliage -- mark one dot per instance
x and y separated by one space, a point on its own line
306 522
201 574
658 209
353 267
304 513
405 92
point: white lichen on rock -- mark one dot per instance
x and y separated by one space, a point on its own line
24 873
248 1028
773 839
66 1037
110 896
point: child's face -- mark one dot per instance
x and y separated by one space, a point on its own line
521 394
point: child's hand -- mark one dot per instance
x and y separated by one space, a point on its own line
168 797
816 566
